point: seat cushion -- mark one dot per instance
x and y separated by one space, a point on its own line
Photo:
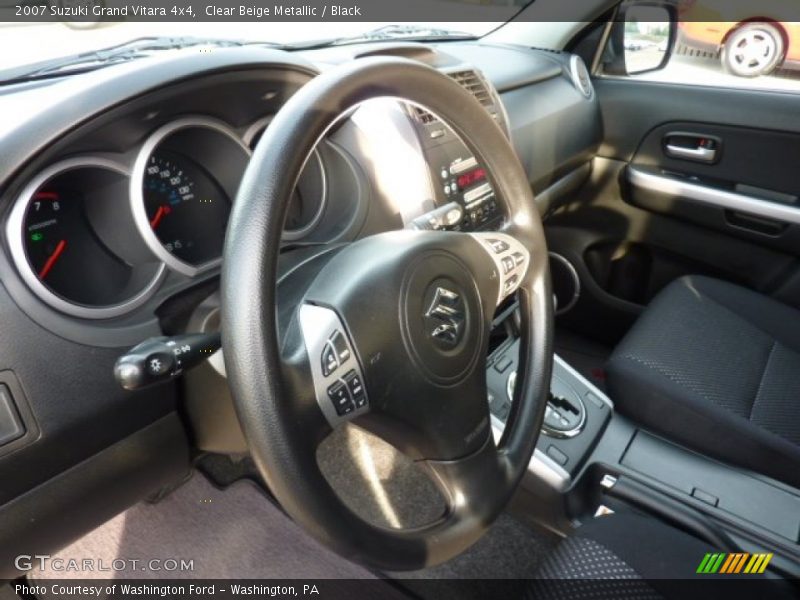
716 367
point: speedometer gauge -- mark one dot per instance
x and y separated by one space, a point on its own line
186 208
184 180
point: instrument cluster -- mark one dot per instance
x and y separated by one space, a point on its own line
94 236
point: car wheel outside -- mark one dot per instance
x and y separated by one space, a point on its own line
753 50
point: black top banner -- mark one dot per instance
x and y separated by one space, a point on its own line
407 11
265 10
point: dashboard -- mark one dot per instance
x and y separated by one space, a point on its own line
115 189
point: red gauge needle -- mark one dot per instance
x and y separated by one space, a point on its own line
51 260
160 213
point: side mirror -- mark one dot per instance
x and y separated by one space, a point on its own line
642 38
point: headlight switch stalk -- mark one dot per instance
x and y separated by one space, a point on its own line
161 359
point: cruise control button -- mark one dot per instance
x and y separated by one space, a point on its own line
329 362
341 398
508 264
498 246
340 346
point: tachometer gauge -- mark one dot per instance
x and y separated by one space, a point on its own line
186 209
66 239
63 251
183 183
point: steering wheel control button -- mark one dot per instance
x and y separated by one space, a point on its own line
498 246
356 389
342 402
510 285
340 398
510 257
329 361
341 347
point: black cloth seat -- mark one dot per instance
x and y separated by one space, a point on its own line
716 367
628 556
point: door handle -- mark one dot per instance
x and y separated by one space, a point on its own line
699 153
692 146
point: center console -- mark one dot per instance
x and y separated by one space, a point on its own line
590 459
575 416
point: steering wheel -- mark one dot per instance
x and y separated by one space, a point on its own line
393 332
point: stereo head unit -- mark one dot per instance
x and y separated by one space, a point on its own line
464 197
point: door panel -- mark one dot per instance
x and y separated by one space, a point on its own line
650 213
738 180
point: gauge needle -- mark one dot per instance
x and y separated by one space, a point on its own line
51 260
162 210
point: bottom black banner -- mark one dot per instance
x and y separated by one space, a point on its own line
390 589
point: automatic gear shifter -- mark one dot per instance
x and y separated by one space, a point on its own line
565 413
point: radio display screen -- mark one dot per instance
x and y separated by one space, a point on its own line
469 178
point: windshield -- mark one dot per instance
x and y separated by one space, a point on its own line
24 43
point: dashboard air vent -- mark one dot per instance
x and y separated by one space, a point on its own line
580 76
470 81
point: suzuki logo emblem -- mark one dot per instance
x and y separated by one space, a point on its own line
445 317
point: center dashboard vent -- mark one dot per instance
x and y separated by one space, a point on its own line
471 81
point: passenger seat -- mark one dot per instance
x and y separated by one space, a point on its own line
716 367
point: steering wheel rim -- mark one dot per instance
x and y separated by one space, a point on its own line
269 377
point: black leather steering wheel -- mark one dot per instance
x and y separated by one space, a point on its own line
414 311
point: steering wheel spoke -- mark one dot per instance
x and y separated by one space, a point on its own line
464 481
510 259
336 374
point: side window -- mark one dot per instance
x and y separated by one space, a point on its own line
707 42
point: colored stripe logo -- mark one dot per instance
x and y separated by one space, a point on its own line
734 563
